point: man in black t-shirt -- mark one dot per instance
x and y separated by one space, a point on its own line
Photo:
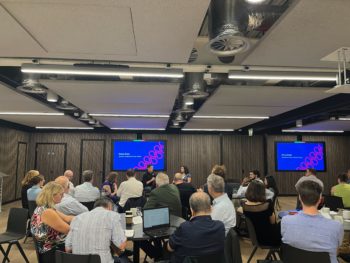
149 178
185 189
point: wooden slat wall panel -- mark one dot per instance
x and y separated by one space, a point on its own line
92 158
9 139
21 166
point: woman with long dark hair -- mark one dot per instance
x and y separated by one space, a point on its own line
186 176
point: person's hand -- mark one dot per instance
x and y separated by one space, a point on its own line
153 179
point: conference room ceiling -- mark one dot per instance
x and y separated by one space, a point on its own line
162 34
330 125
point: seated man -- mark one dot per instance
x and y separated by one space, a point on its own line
342 189
129 189
95 231
308 230
165 195
201 235
185 190
223 209
38 183
68 205
86 192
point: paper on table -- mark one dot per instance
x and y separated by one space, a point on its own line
137 220
129 232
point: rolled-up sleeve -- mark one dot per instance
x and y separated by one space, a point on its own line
118 235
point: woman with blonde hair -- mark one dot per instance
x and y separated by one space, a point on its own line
26 184
48 226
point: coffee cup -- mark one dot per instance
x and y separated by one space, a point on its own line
346 214
339 218
133 211
128 220
128 213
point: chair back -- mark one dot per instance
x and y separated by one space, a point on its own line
17 221
295 255
31 207
88 205
333 202
232 247
217 258
134 202
62 257
251 232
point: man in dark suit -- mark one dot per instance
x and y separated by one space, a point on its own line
186 190
165 195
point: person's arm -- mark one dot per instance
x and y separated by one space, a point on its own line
118 236
332 190
64 217
51 218
150 181
76 208
107 189
189 178
273 219
175 239
120 189
68 242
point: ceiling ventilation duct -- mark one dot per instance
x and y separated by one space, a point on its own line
195 86
228 19
32 86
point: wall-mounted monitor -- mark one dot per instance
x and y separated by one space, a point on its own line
299 156
138 154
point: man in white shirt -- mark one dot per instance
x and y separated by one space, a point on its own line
69 174
86 192
223 209
68 205
310 175
129 189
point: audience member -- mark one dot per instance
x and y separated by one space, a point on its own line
270 184
109 187
38 183
49 226
310 175
130 188
308 230
68 205
149 179
186 176
348 174
342 189
95 231
261 213
69 174
185 190
165 195
201 235
220 170
86 192
26 184
223 209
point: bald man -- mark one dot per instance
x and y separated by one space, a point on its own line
69 205
201 235
69 174
186 190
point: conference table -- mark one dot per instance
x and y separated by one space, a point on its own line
140 236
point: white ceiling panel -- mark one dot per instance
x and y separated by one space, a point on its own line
117 97
241 110
44 121
218 123
309 30
326 125
141 31
135 123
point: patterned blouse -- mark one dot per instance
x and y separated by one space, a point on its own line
47 237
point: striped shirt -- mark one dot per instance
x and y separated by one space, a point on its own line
93 232
70 206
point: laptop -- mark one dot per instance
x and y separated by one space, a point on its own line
156 222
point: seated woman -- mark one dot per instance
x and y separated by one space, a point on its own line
48 226
109 187
262 215
186 176
26 184
34 191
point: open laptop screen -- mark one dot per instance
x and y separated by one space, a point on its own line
156 217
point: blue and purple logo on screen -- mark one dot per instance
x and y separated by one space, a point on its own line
138 154
298 156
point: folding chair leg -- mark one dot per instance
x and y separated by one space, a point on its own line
7 253
22 252
252 254
3 252
268 256
273 255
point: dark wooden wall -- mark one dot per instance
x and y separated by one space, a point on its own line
198 151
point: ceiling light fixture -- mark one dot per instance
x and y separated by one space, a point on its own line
140 129
255 2
92 121
179 118
190 129
229 117
84 117
128 115
65 128
51 96
282 75
98 71
188 101
316 131
32 113
344 119
299 123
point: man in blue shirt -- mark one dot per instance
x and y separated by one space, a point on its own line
201 235
308 230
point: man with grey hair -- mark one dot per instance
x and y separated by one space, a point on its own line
186 190
69 174
223 208
86 192
165 195
201 235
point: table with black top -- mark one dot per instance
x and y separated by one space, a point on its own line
140 236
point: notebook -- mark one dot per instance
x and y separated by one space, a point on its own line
156 222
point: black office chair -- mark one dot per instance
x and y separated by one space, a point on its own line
31 207
252 235
88 205
16 230
134 202
295 255
62 257
232 247
333 202
217 258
